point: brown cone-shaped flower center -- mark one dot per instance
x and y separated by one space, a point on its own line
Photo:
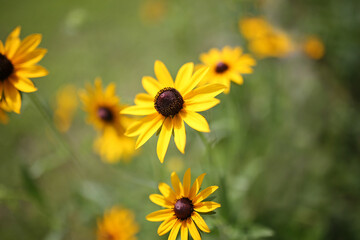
6 68
221 67
183 208
168 102
105 114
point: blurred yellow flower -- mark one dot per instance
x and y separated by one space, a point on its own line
117 224
153 11
264 39
103 108
18 61
112 146
182 207
66 105
227 65
314 47
175 164
167 105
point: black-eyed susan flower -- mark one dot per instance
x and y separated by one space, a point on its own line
314 47
264 39
66 105
167 104
18 61
183 205
117 224
103 108
4 119
226 65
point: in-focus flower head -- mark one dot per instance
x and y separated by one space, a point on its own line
117 224
264 39
18 61
314 47
103 108
183 205
227 65
167 104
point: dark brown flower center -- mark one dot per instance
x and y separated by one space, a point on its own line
105 114
221 67
168 102
183 208
6 68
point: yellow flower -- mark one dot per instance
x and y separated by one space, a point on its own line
183 205
168 104
17 64
264 39
227 65
153 11
103 108
66 104
314 47
112 146
117 224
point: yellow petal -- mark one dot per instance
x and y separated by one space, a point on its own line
22 84
237 78
160 215
183 77
193 230
195 79
184 231
175 230
110 90
28 45
151 85
209 91
33 71
175 181
179 133
201 105
12 97
167 225
149 129
135 128
164 139
200 222
162 74
143 98
205 207
2 48
167 192
139 110
187 182
160 200
196 186
195 121
12 43
31 58
204 194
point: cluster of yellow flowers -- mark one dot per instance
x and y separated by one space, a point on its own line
163 110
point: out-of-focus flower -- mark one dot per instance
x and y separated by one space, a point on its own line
66 105
167 105
18 61
153 11
112 146
264 39
182 207
103 108
117 224
175 164
314 47
227 65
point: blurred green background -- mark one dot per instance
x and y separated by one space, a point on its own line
285 144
